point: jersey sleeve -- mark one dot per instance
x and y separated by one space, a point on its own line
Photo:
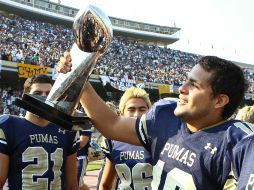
148 125
141 130
4 134
3 142
106 147
238 155
234 140
74 138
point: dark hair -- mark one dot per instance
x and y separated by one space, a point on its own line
227 78
39 78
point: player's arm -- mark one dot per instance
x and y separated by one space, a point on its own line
105 120
70 175
84 187
108 176
83 141
4 165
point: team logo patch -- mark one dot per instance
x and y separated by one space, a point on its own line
210 148
61 131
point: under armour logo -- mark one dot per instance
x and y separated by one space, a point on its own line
61 131
211 148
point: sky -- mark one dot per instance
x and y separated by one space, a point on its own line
224 28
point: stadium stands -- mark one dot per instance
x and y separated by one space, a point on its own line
39 43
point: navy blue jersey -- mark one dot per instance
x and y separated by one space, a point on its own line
82 159
243 163
37 154
81 167
84 150
184 160
132 164
116 181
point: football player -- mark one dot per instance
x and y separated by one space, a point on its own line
101 141
188 140
34 153
82 159
246 114
130 163
89 151
243 152
243 163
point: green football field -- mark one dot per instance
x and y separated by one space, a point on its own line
94 165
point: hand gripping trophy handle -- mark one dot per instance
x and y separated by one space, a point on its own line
93 33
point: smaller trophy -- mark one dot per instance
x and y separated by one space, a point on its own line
92 34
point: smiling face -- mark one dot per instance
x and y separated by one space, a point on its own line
195 99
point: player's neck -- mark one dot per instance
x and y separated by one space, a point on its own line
200 125
36 119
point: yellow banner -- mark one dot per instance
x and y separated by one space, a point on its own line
27 70
164 88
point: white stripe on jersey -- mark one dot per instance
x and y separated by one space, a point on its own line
3 142
247 128
141 133
105 150
142 125
2 135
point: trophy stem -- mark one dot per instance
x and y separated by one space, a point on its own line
67 89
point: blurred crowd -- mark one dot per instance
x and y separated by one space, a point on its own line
142 62
7 98
33 42
39 43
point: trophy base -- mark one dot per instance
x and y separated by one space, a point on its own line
37 105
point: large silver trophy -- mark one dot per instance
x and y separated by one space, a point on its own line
92 34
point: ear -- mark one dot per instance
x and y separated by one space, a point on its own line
221 100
